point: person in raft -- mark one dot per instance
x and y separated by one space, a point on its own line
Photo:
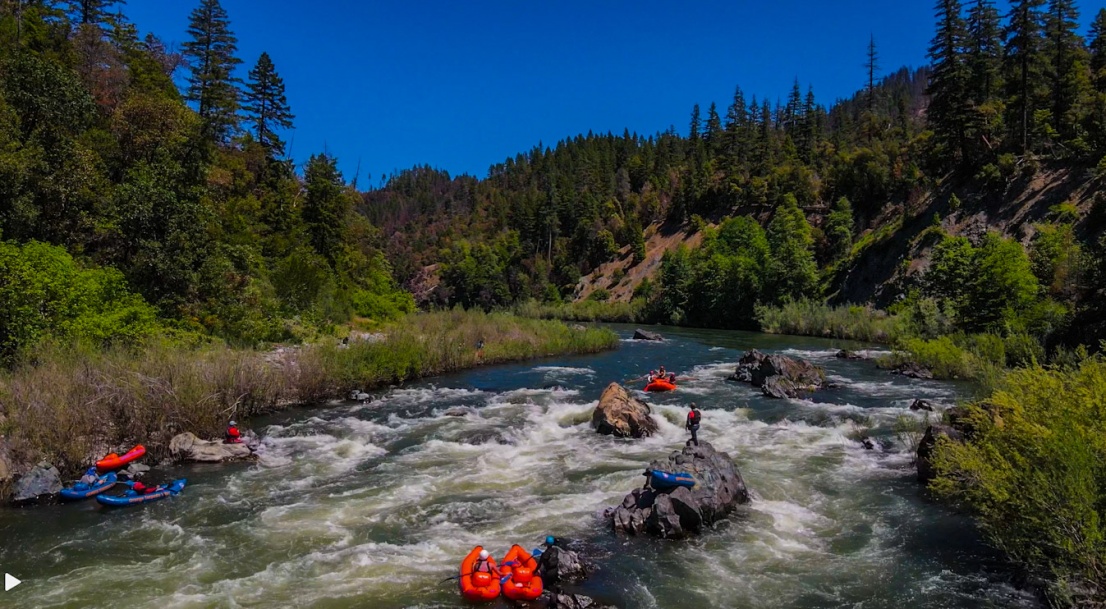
90 477
661 373
141 489
233 436
483 564
693 419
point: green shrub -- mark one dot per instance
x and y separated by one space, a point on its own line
811 318
600 295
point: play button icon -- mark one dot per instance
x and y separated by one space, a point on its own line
10 582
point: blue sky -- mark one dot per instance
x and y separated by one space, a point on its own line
461 85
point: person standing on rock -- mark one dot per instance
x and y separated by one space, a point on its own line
693 419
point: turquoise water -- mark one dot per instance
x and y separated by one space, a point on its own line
373 505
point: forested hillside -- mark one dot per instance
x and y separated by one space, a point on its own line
129 206
944 167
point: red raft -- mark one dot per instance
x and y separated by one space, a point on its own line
660 385
522 584
113 461
477 586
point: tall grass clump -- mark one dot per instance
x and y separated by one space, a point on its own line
813 318
1033 471
72 405
586 311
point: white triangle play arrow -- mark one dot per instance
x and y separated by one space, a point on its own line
10 582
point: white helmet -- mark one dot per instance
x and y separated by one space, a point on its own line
483 555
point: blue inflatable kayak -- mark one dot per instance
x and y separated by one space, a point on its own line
665 480
131 498
81 490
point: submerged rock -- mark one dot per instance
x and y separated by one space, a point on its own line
620 414
925 405
913 370
554 600
187 447
679 512
42 481
849 355
459 411
779 376
640 334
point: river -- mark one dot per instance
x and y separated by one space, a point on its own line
374 505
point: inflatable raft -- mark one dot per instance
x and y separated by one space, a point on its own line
660 385
113 461
82 490
477 586
520 582
665 480
132 498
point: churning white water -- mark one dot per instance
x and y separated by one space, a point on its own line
374 505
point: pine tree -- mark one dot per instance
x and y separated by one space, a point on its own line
325 206
948 80
696 124
812 126
211 85
737 128
1023 65
1098 51
267 106
872 66
1067 66
984 51
793 111
714 128
91 12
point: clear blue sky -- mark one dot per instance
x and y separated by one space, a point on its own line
461 85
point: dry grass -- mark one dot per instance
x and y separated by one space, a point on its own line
70 406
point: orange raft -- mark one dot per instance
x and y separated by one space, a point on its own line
477 586
660 385
113 461
523 583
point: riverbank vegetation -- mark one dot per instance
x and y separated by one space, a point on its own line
1032 471
69 404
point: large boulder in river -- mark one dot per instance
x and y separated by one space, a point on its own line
621 414
678 512
187 447
927 446
779 376
640 334
913 370
42 481
558 565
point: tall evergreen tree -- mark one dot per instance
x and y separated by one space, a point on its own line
713 128
1067 66
948 80
696 124
984 51
91 12
1023 64
266 105
872 66
792 269
211 85
1097 48
737 128
325 206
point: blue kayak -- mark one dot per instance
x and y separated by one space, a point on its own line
665 480
132 498
82 490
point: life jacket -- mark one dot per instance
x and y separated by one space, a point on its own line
482 566
694 417
140 488
233 435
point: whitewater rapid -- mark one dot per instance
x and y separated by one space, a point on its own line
373 505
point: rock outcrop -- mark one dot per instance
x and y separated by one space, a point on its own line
42 481
621 414
926 470
187 447
554 600
779 376
640 334
849 355
925 405
679 512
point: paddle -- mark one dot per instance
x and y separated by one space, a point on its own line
510 563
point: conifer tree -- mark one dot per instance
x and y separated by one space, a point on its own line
713 128
872 66
737 126
91 12
793 271
1067 66
949 105
696 124
325 206
839 229
1097 48
984 51
211 85
1023 65
266 105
